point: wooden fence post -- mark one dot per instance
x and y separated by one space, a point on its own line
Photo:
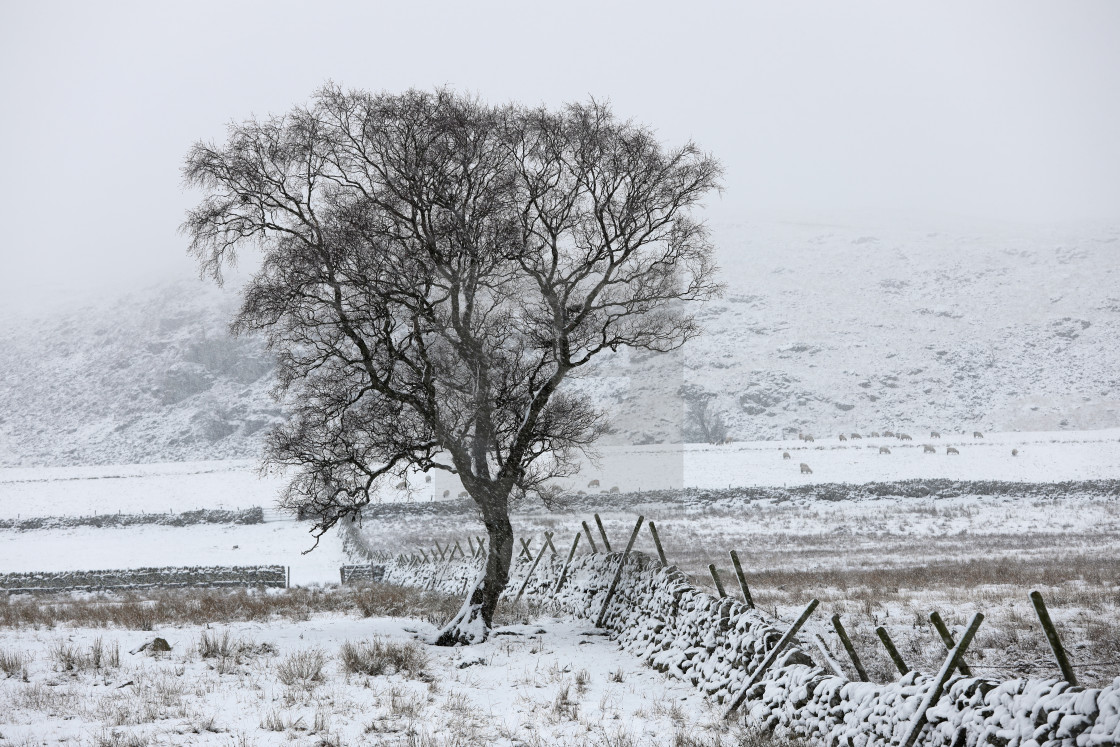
590 538
951 663
618 573
715 577
470 544
947 638
525 548
460 549
888 644
423 554
771 657
742 579
529 575
564 570
657 543
603 532
548 542
844 639
481 545
828 657
1052 636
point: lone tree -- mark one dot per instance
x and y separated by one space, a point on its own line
433 269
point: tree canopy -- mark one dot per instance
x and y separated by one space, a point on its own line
433 269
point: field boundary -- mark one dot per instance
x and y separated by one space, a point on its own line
763 670
270 576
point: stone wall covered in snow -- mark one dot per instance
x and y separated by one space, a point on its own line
715 643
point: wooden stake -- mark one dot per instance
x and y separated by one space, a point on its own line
715 577
771 657
742 579
564 570
481 545
529 575
947 638
470 544
590 538
603 532
424 554
441 550
1052 636
828 657
525 549
657 543
460 549
844 639
548 542
889 645
618 573
951 663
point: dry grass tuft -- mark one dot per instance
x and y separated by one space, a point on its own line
377 657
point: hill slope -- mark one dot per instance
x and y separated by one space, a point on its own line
824 329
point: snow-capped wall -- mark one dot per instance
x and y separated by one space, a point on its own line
715 643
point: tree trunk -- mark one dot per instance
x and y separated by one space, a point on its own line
475 619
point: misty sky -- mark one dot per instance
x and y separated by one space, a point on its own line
1002 111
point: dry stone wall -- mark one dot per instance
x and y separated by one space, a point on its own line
715 644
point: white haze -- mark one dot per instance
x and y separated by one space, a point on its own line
995 112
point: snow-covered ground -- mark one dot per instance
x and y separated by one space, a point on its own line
551 682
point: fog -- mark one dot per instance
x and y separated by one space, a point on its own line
1001 111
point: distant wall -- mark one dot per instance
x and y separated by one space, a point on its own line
142 578
714 643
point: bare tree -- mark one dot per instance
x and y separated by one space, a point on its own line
433 269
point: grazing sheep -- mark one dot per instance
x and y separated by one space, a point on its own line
884 450
614 489
927 449
951 450
805 469
447 494
934 434
581 492
593 484
809 439
904 437
843 437
402 485
1014 452
854 436
874 434
464 494
888 434
977 434
427 478
785 455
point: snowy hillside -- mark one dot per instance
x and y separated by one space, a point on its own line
824 329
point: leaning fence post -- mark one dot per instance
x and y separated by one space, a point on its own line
828 657
481 546
715 577
525 548
657 543
423 554
771 657
617 573
919 719
470 544
590 538
529 575
742 579
548 542
947 638
564 570
1052 636
460 549
603 532
888 644
844 639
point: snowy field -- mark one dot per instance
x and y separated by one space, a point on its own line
875 560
